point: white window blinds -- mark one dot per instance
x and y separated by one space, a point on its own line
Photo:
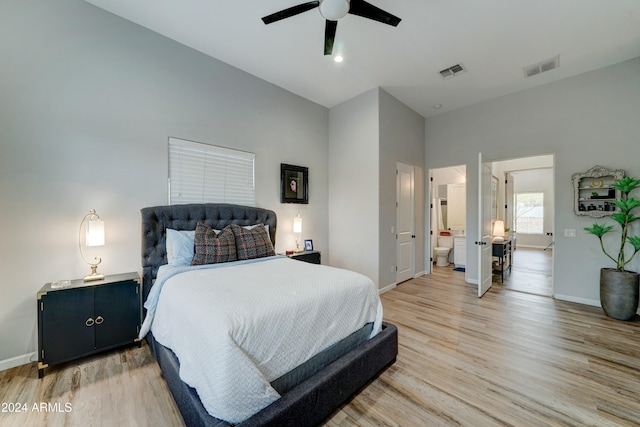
202 173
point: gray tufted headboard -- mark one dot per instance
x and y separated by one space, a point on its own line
156 220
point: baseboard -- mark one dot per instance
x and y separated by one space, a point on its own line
584 301
386 288
18 360
422 273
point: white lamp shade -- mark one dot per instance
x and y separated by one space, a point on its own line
297 224
334 9
95 232
498 228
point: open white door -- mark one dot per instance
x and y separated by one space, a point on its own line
405 234
508 201
485 249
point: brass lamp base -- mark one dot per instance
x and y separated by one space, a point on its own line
94 274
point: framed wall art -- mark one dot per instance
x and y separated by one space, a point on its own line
308 245
294 184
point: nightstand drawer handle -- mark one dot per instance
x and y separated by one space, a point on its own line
89 322
99 320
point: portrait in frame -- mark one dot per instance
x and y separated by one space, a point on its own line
294 184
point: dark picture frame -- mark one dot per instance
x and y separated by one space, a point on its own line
308 245
294 184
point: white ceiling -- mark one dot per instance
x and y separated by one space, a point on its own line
494 39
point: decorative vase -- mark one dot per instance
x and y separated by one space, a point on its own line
619 293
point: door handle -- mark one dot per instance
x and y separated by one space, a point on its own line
89 322
99 320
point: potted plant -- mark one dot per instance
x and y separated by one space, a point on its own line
619 287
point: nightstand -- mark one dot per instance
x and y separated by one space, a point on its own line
312 257
84 318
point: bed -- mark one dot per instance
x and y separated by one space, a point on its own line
307 393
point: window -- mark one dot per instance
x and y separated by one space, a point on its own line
529 212
202 173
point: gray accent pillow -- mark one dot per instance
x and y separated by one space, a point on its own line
253 243
212 247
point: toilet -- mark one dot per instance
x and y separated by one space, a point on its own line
441 252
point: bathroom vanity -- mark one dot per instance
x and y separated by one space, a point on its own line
460 251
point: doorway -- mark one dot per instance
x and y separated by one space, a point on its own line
447 228
525 195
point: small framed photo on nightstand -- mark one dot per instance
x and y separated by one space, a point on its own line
308 245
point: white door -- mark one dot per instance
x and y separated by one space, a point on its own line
508 202
405 234
485 248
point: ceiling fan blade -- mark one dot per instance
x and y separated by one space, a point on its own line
329 36
289 12
367 10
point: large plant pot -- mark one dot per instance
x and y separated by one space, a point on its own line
619 293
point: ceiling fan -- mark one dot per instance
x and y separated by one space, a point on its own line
332 11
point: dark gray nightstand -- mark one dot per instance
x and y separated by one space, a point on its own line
84 318
312 257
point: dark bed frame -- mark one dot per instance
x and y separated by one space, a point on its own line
306 404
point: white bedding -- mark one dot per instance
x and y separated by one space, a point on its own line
238 326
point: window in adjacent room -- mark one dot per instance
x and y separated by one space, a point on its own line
203 173
529 212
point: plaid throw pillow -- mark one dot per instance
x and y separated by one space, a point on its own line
254 243
212 248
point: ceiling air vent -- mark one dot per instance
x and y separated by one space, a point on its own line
542 66
452 71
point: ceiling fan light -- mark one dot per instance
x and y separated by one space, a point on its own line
334 9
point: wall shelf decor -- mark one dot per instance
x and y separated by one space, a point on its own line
593 193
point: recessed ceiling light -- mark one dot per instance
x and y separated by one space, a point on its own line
338 58
437 106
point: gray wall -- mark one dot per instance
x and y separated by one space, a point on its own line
584 120
87 102
401 140
354 179
368 135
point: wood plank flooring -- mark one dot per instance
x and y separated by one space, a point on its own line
530 272
508 359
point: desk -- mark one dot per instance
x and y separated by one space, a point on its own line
502 250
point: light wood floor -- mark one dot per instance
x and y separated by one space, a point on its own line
508 359
530 272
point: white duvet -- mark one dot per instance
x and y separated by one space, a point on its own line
236 327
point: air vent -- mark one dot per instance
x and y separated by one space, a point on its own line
453 71
541 67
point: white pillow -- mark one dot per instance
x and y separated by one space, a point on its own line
180 246
251 227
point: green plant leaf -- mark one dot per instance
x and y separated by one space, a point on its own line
635 241
599 229
620 218
632 218
627 205
626 184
